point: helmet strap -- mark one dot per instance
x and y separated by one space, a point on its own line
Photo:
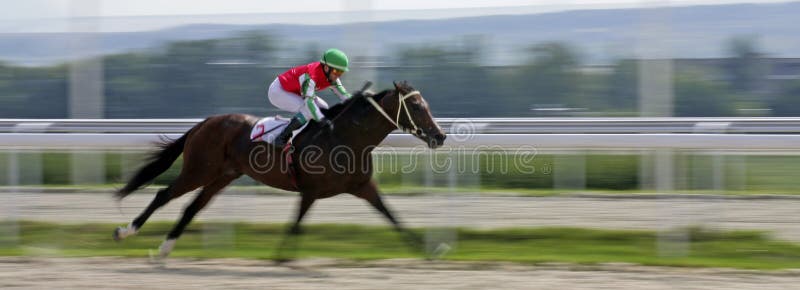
327 72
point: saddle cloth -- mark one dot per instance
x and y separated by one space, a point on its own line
267 129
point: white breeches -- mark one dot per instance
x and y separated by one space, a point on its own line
294 103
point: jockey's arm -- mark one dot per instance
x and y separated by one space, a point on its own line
339 90
307 86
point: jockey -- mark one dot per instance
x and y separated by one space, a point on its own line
295 89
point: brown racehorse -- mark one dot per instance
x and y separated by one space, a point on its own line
327 161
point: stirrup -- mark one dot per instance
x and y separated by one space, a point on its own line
283 138
281 142
286 135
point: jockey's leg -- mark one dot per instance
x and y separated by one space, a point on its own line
283 99
297 121
309 110
293 103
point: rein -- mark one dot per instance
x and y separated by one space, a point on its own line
414 130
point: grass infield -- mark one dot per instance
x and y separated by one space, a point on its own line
689 247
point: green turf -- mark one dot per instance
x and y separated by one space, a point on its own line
739 249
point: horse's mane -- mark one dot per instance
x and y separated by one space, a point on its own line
337 109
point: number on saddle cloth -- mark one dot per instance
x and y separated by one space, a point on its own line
266 129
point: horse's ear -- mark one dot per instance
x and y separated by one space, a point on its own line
366 86
364 91
396 87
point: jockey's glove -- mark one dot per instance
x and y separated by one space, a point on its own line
327 123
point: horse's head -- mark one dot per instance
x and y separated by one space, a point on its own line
411 113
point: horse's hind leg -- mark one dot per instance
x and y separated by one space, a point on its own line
183 184
202 199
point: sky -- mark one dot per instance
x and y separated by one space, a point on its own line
116 15
107 8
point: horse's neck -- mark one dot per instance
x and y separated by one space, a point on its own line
369 129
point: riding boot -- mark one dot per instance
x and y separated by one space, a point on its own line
286 134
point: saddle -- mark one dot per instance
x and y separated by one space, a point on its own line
267 129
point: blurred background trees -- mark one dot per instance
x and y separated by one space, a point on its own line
204 77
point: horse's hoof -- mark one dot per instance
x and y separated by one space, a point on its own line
116 235
166 248
281 261
441 250
123 232
295 231
156 259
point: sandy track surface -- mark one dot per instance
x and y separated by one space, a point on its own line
128 273
777 215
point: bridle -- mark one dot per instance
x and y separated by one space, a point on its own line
414 130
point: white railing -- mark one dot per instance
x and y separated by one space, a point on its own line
474 125
488 141
541 133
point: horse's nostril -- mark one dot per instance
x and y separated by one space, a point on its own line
439 139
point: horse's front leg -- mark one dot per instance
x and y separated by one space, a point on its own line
369 192
290 240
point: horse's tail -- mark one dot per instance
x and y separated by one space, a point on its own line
159 162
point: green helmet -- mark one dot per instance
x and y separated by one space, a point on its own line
335 58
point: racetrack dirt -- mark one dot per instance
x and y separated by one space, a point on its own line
776 215
131 273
